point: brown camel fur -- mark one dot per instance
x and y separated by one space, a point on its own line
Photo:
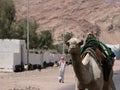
88 73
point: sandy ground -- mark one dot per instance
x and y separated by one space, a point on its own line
46 79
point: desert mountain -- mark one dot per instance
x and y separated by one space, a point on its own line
76 16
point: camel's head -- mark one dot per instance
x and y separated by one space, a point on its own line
74 45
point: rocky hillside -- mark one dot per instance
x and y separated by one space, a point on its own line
76 16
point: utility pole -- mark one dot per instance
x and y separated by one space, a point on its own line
27 31
63 24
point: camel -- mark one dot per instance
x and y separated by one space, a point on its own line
89 75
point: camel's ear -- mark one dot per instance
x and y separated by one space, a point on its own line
67 43
81 43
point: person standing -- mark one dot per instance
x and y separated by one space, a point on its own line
62 66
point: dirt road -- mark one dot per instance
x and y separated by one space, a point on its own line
46 79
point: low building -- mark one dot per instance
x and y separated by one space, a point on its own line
12 53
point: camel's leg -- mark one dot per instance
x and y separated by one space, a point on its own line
111 82
109 85
78 86
106 85
112 85
96 87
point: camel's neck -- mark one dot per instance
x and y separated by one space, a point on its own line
80 70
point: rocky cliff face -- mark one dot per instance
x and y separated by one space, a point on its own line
76 16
